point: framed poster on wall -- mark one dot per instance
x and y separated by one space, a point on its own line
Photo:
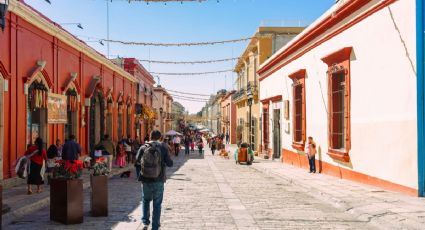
56 109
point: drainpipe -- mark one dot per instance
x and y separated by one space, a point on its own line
420 8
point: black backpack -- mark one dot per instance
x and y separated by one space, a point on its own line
150 161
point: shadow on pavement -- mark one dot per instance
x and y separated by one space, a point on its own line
124 200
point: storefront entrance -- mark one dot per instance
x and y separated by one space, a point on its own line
71 127
37 112
97 118
276 134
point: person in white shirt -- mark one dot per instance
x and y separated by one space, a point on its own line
176 142
310 150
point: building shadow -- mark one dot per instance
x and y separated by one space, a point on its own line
124 201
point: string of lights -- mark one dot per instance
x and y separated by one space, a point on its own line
192 74
162 1
176 44
189 62
188 98
195 94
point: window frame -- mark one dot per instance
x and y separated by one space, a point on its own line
298 79
339 63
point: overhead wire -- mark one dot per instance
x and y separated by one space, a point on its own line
195 73
195 94
189 62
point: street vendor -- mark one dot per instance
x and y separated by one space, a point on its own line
244 147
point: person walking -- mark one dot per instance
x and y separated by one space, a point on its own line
200 146
128 144
213 145
37 156
121 156
227 138
71 150
176 142
187 145
109 150
154 158
311 154
52 155
192 145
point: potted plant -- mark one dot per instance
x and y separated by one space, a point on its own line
99 188
66 192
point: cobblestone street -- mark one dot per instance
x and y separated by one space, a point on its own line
210 193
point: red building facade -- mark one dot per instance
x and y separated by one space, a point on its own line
38 58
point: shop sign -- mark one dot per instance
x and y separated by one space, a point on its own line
56 109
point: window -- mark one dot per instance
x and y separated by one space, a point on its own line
266 125
337 116
299 109
339 104
298 113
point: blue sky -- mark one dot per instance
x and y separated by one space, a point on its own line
176 22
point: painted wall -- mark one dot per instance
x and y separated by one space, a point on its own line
23 44
383 93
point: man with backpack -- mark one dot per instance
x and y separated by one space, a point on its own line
153 158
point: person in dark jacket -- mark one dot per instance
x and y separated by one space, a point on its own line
153 188
71 150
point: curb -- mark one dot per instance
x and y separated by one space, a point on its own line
11 216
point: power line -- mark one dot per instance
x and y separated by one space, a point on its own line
189 62
177 44
187 97
174 91
198 73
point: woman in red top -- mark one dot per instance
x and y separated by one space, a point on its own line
37 156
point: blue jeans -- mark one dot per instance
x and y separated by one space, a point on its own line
138 169
186 149
152 192
312 163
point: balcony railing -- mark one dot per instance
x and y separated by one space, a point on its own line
251 87
239 94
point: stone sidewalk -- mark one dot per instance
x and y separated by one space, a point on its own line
209 192
214 193
21 204
381 208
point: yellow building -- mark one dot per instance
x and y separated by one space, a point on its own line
265 42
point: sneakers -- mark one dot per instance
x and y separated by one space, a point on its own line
145 226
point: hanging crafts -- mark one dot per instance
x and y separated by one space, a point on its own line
38 95
72 100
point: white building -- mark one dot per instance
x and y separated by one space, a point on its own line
349 81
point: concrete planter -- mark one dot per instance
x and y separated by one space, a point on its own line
66 201
99 195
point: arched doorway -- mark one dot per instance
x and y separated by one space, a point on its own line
97 118
109 109
120 118
37 125
128 119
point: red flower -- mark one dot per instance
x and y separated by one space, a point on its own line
100 160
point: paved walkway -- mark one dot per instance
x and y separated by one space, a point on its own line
21 204
381 208
212 193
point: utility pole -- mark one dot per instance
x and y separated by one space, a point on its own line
107 27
